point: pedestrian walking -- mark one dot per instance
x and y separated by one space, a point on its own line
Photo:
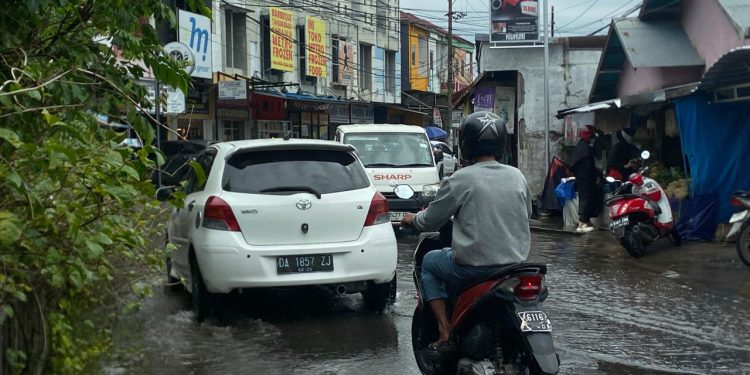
587 177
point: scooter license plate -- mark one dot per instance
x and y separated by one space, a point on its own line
534 321
619 223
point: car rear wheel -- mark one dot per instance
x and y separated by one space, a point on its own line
378 296
200 296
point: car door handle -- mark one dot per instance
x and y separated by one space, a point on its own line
190 206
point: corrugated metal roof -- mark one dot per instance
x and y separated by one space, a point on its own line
658 45
732 69
739 12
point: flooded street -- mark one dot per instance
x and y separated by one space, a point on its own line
678 310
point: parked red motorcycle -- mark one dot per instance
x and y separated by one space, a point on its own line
499 322
643 216
741 224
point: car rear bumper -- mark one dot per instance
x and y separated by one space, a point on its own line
227 262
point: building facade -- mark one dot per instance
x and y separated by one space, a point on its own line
425 64
511 84
308 66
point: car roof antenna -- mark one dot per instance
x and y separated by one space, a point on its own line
288 135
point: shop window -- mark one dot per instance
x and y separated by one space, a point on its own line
365 67
235 43
273 129
390 71
232 130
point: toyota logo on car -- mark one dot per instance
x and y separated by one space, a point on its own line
304 204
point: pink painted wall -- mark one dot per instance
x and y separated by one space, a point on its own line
636 81
710 29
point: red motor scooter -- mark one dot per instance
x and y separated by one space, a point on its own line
499 323
642 217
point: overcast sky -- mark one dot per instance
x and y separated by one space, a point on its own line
572 17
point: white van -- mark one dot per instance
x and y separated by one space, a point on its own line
392 155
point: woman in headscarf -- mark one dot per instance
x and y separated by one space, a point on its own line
587 175
621 164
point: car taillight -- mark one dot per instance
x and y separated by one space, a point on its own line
529 287
378 213
735 202
218 215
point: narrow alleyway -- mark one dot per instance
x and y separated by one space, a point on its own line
678 310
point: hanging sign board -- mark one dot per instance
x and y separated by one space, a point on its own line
195 32
316 48
233 89
514 21
282 39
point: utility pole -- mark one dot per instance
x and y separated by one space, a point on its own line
552 26
546 88
450 67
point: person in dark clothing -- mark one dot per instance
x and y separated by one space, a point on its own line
587 179
623 155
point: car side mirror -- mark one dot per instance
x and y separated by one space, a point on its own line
164 194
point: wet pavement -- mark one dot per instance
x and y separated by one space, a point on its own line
676 311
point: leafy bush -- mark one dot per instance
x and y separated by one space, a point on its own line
76 210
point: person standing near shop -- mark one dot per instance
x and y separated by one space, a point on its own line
622 158
587 177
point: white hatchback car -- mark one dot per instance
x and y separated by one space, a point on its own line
279 213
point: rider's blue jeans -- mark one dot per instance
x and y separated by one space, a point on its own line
442 277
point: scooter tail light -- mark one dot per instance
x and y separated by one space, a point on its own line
379 212
218 215
529 287
525 287
736 202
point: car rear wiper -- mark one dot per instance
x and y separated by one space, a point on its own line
293 188
375 165
414 165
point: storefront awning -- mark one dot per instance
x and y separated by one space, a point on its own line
612 103
732 69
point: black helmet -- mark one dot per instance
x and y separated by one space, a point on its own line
482 133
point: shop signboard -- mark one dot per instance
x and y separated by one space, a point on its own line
505 106
282 39
316 51
233 89
196 100
195 32
232 109
484 99
514 21
175 99
345 61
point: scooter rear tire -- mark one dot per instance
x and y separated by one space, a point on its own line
633 244
743 244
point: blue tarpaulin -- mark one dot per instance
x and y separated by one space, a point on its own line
716 141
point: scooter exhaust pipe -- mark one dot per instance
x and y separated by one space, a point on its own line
340 289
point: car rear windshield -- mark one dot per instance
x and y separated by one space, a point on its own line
292 171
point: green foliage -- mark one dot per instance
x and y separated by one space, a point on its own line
76 210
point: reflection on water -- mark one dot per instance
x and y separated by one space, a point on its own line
675 311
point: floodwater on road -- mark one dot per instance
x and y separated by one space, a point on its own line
678 310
